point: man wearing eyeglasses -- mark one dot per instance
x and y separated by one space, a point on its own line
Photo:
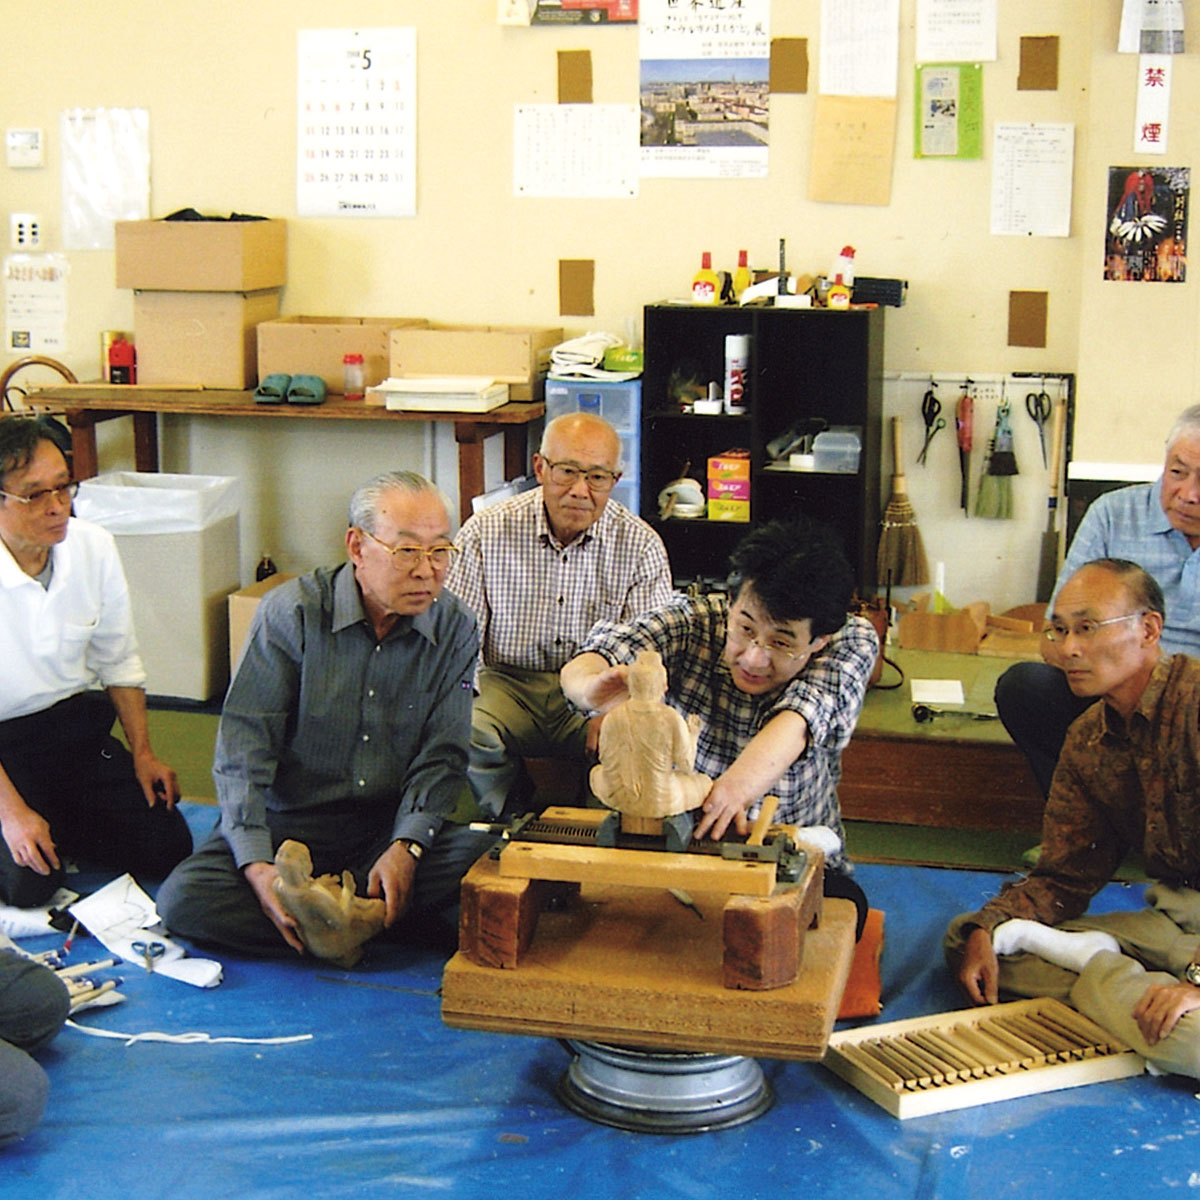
69 666
539 571
776 672
1128 779
1156 525
345 728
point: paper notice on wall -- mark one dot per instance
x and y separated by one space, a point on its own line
1031 179
356 122
1151 27
854 141
35 303
705 88
105 173
575 150
1153 104
956 31
860 46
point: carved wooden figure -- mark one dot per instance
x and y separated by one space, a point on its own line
648 751
334 922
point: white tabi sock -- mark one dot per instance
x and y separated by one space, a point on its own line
1072 951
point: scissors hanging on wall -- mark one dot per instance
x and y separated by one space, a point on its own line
931 408
1038 406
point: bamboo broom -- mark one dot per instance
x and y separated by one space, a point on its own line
901 551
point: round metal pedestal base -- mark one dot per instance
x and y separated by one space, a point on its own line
659 1091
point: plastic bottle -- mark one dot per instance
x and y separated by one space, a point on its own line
741 277
352 376
737 367
122 362
706 286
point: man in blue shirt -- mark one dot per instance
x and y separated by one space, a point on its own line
346 728
1157 526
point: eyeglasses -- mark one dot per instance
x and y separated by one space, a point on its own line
40 500
1085 630
742 634
597 478
409 558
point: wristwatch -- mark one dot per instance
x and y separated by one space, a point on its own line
1191 973
414 848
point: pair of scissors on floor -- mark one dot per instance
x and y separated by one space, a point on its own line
931 406
1037 405
149 952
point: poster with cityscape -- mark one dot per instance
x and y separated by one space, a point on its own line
1146 239
705 88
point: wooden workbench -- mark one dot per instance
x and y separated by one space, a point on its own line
86 406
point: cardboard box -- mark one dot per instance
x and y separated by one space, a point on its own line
518 355
201 256
241 609
315 346
729 510
733 464
729 489
205 338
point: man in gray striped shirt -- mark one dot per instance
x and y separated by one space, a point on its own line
346 729
539 571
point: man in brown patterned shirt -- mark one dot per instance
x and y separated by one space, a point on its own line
1128 779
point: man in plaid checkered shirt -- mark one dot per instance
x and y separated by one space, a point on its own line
776 671
539 571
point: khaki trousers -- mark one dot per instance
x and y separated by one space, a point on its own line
1157 943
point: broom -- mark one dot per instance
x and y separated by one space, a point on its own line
901 552
1048 558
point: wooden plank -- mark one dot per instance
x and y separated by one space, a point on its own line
994 1036
634 967
637 868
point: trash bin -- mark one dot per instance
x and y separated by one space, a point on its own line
178 540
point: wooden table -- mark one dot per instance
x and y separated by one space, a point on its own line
86 406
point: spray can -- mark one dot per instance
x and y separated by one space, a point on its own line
737 370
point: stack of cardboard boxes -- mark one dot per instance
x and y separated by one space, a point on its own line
200 290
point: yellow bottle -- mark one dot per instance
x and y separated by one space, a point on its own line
706 287
741 277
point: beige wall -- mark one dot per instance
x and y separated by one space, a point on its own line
219 82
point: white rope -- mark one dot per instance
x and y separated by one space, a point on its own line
186 1039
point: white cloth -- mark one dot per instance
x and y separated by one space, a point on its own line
75 635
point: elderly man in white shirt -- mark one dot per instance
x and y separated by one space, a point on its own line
67 786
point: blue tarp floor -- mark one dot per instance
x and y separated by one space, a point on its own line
385 1100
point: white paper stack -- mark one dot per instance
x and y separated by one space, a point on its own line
442 393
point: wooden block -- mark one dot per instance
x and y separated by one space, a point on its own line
634 967
956 632
637 868
497 916
764 935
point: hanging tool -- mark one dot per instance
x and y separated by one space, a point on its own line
931 408
1037 405
994 498
964 422
901 553
1048 559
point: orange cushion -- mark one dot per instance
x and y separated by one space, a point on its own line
862 995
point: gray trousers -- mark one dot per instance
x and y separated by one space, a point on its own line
1157 944
517 715
208 899
33 1007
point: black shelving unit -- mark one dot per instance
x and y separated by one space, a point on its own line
803 363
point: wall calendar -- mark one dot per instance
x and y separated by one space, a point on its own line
356 122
